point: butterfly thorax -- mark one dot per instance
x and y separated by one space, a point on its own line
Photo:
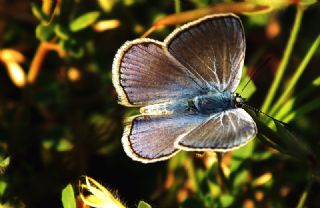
215 102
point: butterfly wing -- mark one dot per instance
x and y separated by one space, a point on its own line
151 138
143 74
222 131
211 48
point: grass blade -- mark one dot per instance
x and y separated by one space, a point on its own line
284 60
297 75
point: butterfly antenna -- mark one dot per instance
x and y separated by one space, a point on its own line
254 73
259 111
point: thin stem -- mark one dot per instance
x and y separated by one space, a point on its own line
224 180
296 75
284 60
193 182
36 64
177 6
305 193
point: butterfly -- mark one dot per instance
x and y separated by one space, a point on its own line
185 89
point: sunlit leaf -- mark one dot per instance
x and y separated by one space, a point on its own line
226 200
143 204
240 178
3 187
107 5
84 21
62 32
38 13
261 180
240 155
67 197
246 87
4 164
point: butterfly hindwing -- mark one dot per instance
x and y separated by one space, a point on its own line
212 48
222 131
151 138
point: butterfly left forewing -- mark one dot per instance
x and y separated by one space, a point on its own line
222 131
143 74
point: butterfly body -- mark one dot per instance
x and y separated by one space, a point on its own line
210 103
184 87
214 102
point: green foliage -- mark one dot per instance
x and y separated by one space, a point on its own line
67 197
83 21
38 13
44 32
143 204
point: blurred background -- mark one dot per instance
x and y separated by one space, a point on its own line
59 117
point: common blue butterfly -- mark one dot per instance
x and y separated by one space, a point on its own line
184 87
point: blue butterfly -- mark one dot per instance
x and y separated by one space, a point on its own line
185 88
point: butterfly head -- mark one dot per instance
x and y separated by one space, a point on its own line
238 100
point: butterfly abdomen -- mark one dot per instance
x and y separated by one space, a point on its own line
165 108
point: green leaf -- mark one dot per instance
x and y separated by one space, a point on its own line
61 145
240 155
294 146
84 21
3 187
307 2
4 164
62 32
214 189
226 200
240 178
249 89
107 5
259 20
44 32
259 156
76 51
38 13
67 198
143 204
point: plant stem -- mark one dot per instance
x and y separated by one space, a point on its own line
177 6
36 64
193 182
284 60
296 75
305 193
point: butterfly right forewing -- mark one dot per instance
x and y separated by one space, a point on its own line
212 48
